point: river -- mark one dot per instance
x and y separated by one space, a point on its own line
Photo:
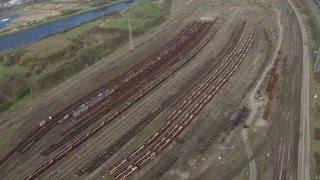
6 19
17 39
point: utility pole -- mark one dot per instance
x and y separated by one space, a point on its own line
131 45
317 63
130 35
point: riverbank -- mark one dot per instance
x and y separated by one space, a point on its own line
38 14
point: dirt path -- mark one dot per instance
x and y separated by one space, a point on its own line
255 105
304 139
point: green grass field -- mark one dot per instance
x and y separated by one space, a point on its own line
78 31
146 9
45 47
9 70
139 16
121 24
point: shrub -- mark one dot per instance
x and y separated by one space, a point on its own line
313 22
316 134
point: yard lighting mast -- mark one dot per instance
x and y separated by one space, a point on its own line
129 29
130 34
317 63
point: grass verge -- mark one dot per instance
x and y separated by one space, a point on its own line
313 24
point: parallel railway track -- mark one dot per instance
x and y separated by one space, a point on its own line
73 164
86 136
145 90
133 168
40 130
108 152
118 88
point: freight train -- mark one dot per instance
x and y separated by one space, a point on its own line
91 102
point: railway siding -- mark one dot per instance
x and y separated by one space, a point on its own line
83 138
164 142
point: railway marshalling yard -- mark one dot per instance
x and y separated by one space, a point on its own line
213 93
